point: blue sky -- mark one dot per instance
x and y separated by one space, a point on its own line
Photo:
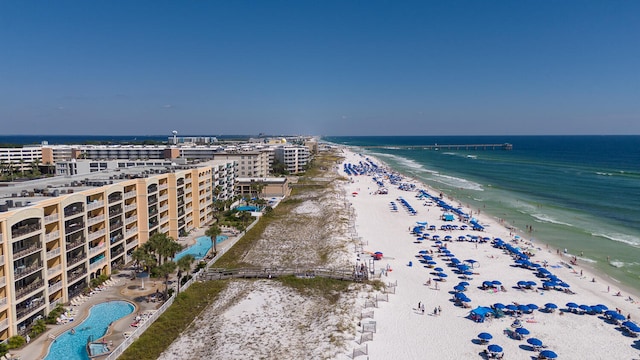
320 67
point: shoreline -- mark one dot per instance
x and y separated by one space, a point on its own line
390 236
597 273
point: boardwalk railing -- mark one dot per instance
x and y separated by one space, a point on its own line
268 273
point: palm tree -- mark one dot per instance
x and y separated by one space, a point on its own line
213 231
184 264
164 271
162 246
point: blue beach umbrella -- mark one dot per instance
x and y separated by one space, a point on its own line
531 283
459 288
550 306
522 331
431 262
485 336
572 305
439 269
463 283
512 307
603 307
534 342
494 348
523 308
496 282
442 275
585 308
423 252
548 354
499 306
533 306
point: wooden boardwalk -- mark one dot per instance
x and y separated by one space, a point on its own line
270 273
505 146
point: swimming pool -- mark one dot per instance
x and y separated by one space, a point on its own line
248 208
73 346
201 247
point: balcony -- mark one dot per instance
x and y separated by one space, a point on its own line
95 205
54 303
31 249
130 207
53 253
152 200
24 230
54 270
75 260
26 290
52 235
75 244
163 208
163 186
51 218
3 281
96 219
115 198
3 302
97 249
98 264
130 220
73 228
130 194
163 197
55 287
22 271
130 232
23 312
115 226
116 212
76 275
187 181
73 211
96 234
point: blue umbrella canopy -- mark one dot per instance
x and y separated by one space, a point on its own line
617 316
463 283
572 305
548 354
550 306
468 273
531 283
431 262
496 282
603 307
522 331
535 341
442 275
471 261
511 307
487 283
455 261
521 283
439 269
523 308
586 308
499 306
533 306
459 288
463 267
485 336
494 348
597 309
427 257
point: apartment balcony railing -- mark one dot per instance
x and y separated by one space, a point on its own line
164 229
153 200
22 271
98 263
115 226
22 312
30 250
73 228
4 324
97 249
52 235
26 290
95 205
187 181
53 253
25 229
130 245
130 207
115 212
130 232
96 219
76 275
115 198
54 303
96 234
75 244
55 287
77 259
130 194
54 270
1 237
74 211
3 281
130 220
3 301
51 218
163 186
163 197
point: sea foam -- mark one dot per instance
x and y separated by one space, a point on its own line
622 238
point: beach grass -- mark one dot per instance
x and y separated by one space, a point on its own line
187 306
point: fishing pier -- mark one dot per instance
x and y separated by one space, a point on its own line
505 146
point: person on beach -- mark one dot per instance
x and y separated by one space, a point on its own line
422 309
439 310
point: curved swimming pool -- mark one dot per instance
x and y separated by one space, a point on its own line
201 247
72 346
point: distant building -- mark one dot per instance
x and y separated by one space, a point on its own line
294 157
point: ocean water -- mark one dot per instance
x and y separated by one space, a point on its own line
581 193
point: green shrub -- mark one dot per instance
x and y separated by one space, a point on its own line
16 342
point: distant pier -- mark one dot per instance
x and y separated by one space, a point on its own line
505 146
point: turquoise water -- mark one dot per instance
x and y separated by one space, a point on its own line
577 192
200 248
248 208
73 346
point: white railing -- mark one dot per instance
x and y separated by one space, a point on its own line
95 219
129 194
163 197
97 249
97 263
54 270
52 305
52 235
163 186
96 234
130 219
51 218
1 260
130 207
53 253
130 232
55 287
4 324
3 280
95 205
3 301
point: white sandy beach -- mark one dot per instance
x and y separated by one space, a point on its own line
403 332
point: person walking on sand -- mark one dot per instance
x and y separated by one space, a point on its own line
439 310
419 302
422 309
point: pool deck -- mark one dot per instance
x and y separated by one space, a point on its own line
124 289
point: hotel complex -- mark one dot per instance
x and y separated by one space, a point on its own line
58 234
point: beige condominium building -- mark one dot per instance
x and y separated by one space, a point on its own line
68 234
